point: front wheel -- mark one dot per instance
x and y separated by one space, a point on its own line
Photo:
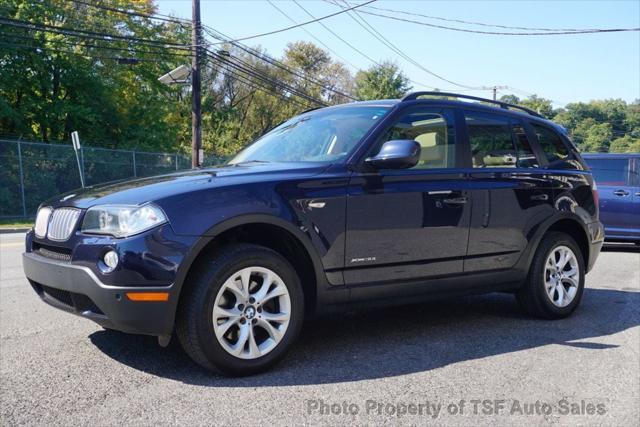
556 280
242 312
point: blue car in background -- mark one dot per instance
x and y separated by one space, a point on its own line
618 180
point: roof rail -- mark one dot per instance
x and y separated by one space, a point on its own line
415 95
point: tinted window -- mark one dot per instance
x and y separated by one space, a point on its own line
554 149
490 140
526 158
434 131
609 171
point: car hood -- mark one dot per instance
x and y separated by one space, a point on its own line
152 189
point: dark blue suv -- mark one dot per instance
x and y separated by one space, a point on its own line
618 180
380 202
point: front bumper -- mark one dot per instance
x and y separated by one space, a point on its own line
76 289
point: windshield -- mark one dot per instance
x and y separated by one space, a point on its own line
326 135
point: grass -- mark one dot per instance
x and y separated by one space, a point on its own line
16 223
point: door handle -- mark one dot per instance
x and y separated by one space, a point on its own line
314 204
637 194
541 197
621 193
456 201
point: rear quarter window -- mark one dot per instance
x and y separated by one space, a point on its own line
555 150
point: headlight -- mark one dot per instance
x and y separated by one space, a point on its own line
122 221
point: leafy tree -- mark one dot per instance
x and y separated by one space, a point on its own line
54 84
598 138
626 144
384 81
593 125
510 99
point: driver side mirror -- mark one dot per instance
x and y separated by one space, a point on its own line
396 154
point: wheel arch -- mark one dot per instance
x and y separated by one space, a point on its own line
269 231
568 223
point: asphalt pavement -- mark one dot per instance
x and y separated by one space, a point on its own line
466 361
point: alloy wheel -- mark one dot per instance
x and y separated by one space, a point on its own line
562 276
251 312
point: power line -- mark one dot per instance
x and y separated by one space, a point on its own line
502 33
158 17
266 58
352 46
87 34
250 70
261 84
86 45
371 30
123 60
474 22
312 35
241 79
336 35
303 23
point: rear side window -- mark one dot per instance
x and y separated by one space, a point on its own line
552 145
526 158
497 141
610 171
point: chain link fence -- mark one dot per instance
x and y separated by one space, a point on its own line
32 172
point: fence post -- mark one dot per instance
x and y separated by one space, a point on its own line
82 178
176 155
24 201
133 156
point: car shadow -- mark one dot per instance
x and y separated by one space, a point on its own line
396 341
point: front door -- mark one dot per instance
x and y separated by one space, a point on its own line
411 223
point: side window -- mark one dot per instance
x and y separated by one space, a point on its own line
554 148
634 173
526 157
433 129
614 172
490 140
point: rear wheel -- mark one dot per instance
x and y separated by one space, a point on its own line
556 279
242 312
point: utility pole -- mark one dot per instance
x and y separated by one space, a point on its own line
495 90
196 101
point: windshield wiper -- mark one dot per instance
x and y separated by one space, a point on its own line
248 162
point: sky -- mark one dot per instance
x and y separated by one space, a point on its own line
563 68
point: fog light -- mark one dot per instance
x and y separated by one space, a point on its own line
110 260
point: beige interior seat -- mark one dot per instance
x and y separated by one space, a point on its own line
432 149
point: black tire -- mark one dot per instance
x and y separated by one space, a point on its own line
532 296
194 321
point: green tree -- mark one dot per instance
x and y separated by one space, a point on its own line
598 138
384 81
542 106
626 144
107 90
510 99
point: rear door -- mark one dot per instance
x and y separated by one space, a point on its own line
618 212
510 193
